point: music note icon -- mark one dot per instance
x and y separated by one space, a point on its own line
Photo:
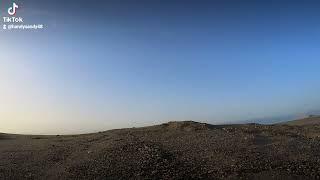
12 10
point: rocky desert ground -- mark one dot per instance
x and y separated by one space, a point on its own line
175 150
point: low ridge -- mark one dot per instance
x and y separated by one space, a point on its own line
310 120
174 150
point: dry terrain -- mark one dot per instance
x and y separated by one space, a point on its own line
175 150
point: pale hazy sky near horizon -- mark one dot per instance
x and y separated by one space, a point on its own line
101 65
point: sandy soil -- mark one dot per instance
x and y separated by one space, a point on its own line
176 150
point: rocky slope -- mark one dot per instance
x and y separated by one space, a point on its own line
311 120
175 150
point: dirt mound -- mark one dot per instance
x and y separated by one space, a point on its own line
142 160
186 126
174 150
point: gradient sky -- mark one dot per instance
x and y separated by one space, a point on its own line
109 64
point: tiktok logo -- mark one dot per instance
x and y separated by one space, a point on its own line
12 22
12 10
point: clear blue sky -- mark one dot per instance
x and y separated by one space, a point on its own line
111 64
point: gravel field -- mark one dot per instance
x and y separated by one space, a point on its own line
175 150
